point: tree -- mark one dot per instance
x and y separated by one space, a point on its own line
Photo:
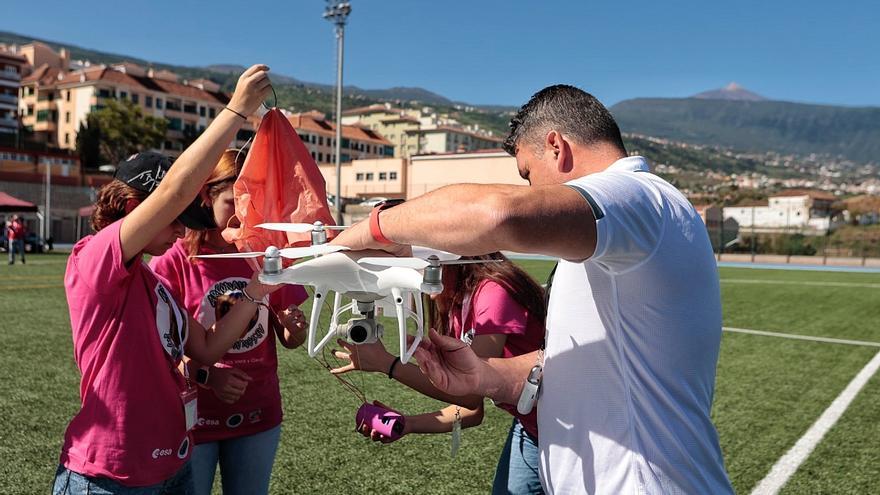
117 131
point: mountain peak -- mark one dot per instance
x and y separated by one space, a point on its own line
732 91
733 86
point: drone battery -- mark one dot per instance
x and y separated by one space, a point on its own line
386 422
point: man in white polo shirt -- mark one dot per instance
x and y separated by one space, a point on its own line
634 318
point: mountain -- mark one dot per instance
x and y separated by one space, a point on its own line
398 93
732 91
785 127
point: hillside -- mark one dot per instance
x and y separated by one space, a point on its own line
784 127
296 94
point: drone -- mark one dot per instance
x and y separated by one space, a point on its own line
372 279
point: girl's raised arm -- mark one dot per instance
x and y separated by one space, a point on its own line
183 181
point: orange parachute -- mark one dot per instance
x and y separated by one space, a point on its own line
279 182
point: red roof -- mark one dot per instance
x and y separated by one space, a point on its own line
43 75
147 83
813 194
310 122
374 108
9 203
401 118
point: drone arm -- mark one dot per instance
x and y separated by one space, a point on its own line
317 305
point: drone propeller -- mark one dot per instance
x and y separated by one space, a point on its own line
300 228
426 252
289 253
389 261
417 263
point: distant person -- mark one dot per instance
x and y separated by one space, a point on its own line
634 318
240 399
16 233
132 432
499 309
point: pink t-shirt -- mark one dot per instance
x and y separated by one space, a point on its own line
17 231
494 311
198 286
127 332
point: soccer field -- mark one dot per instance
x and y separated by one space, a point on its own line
771 390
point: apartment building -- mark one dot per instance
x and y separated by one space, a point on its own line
389 121
10 79
56 96
420 131
54 103
319 136
447 139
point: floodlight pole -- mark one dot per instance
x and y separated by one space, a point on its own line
47 222
337 11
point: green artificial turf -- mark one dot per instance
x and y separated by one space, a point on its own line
769 391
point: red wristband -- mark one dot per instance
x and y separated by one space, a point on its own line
375 231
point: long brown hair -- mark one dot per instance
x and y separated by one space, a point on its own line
111 201
222 178
462 280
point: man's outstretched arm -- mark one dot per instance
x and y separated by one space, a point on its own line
472 219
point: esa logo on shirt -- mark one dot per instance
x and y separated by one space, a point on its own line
182 451
213 308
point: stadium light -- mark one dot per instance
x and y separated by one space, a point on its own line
337 12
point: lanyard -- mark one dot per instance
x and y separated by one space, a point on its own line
175 315
547 303
467 335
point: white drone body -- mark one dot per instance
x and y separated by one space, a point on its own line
370 281
364 282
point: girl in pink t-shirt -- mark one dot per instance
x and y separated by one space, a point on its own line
499 310
239 400
132 432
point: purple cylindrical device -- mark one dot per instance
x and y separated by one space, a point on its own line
388 423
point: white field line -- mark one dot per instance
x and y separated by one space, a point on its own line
828 340
788 464
795 282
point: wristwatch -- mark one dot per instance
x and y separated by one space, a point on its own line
202 375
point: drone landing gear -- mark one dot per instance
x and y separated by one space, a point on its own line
403 314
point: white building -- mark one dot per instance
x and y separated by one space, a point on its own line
807 212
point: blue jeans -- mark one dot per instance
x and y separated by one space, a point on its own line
16 245
245 463
68 482
517 471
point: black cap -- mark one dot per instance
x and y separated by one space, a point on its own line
145 170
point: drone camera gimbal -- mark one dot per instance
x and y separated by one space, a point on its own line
364 330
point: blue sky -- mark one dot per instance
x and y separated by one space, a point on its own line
500 52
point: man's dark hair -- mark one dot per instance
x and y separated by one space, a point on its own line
575 113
